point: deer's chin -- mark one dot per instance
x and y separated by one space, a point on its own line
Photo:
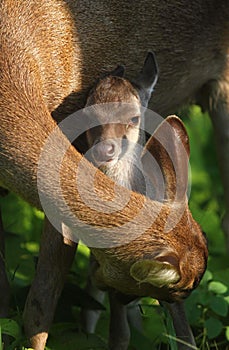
108 164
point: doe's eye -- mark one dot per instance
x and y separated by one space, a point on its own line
134 120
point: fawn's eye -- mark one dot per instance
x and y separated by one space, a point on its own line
134 120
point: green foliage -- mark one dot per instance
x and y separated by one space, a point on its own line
10 327
207 307
66 336
217 287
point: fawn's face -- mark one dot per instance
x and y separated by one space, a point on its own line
116 110
116 107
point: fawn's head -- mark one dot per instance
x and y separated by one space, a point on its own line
116 107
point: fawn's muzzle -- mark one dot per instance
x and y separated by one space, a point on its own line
104 151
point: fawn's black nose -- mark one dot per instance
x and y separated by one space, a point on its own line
104 151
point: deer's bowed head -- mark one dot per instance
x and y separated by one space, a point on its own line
168 260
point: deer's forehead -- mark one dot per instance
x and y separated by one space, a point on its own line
113 89
114 112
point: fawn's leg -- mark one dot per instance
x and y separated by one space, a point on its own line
89 317
134 315
119 331
55 259
5 288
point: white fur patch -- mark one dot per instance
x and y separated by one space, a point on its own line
122 170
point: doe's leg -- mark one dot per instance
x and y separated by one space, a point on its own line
55 259
186 340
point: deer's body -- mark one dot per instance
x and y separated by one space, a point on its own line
50 53
50 62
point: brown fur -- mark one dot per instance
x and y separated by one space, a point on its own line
50 54
41 65
112 89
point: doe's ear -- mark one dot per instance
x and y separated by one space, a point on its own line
159 272
147 78
169 148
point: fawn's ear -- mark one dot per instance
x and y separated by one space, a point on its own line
159 272
119 71
147 78
168 148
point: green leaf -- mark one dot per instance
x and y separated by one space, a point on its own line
227 332
194 315
204 298
10 327
217 287
213 327
207 277
219 305
152 318
222 273
138 340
